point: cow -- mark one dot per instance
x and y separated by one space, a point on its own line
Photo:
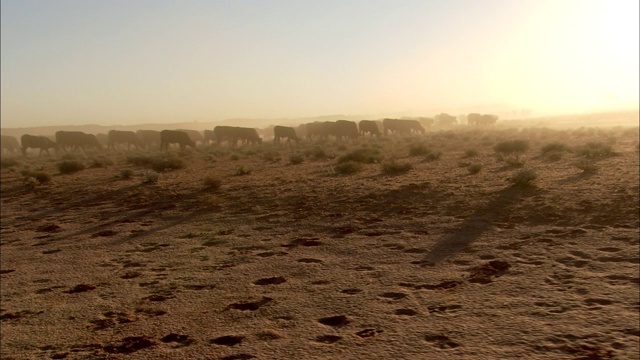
209 135
368 126
124 137
103 139
403 127
10 144
149 138
234 133
168 137
481 120
318 129
193 135
445 120
76 140
37 142
345 129
285 132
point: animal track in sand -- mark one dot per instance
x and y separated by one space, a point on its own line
268 335
276 280
364 268
104 233
415 251
272 253
250 306
335 321
150 312
328 339
573 262
439 309
227 340
405 312
441 341
303 242
130 344
310 261
351 291
48 228
53 251
19 314
593 301
365 333
609 249
111 319
180 340
393 295
130 275
198 287
6 271
238 357
81 288
450 284
483 274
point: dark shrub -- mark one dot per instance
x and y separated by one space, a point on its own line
212 182
419 150
70 166
365 155
296 159
348 167
474 168
595 150
523 178
394 168
512 147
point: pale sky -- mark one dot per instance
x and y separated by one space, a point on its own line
74 62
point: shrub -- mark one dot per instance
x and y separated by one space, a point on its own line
554 147
242 171
418 150
470 153
524 177
595 150
514 161
394 168
348 167
70 166
364 155
272 156
41 176
432 156
212 182
126 173
296 159
164 163
100 163
8 162
31 182
151 177
474 168
512 147
587 166
234 157
316 153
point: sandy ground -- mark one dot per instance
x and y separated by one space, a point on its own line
298 262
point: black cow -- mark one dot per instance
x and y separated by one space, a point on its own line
318 129
403 127
481 120
368 126
285 132
9 143
77 140
193 135
209 135
168 137
234 133
345 129
149 138
37 142
124 137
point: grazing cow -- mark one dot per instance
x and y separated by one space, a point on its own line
193 135
345 129
168 137
234 133
403 127
445 120
368 126
76 140
209 135
481 120
124 137
318 129
10 144
37 142
150 138
103 139
285 132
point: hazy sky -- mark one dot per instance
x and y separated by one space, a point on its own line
128 62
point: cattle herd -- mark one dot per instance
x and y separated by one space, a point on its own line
232 135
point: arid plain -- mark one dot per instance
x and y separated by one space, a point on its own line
277 252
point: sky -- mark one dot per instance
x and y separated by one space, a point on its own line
121 62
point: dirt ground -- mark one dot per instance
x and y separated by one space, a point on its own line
242 254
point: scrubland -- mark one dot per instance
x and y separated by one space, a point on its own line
459 244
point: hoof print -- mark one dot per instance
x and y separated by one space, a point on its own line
270 281
251 306
483 274
310 261
48 228
81 288
303 242
406 312
328 339
441 341
368 333
393 295
6 271
104 233
352 291
181 340
334 321
130 344
442 286
228 340
238 357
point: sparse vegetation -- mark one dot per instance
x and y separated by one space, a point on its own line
515 147
100 163
212 182
595 150
470 153
8 162
588 166
157 163
296 159
242 171
70 166
234 157
317 153
150 177
524 178
394 167
433 156
554 151
42 177
364 155
348 167
419 150
514 161
474 168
